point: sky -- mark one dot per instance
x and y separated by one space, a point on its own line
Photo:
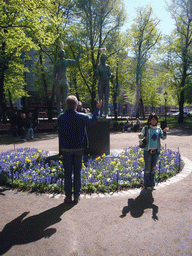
166 24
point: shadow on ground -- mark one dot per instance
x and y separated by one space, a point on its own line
181 131
26 230
8 138
137 206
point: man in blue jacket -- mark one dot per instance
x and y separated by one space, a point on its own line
73 139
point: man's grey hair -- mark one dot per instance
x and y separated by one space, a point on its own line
71 102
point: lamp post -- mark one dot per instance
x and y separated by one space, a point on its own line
165 97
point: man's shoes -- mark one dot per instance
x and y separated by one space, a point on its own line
68 200
76 199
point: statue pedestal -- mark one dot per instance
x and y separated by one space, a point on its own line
99 138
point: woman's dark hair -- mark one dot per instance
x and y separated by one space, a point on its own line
152 115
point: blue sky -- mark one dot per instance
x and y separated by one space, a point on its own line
159 8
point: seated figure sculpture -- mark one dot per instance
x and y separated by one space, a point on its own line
60 76
103 72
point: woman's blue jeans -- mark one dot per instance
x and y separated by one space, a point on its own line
149 172
72 163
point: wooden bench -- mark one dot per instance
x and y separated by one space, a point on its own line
5 127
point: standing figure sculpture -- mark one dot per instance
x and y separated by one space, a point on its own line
60 76
103 72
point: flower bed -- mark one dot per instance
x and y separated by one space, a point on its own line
29 169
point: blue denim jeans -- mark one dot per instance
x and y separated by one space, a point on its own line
149 172
72 163
30 134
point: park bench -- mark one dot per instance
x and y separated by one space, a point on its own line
5 127
45 126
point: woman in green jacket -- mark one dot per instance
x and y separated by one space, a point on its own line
152 149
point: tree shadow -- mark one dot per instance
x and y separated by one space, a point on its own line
137 206
8 138
181 131
3 190
33 228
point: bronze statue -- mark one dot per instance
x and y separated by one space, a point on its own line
103 72
60 75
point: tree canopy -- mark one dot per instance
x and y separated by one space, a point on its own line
141 73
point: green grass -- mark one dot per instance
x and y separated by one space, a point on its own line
171 121
174 120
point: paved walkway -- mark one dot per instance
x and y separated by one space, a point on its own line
126 224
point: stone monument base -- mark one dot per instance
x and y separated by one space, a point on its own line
99 138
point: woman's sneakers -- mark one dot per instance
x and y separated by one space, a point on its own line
150 188
68 199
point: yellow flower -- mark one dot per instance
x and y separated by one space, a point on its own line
39 151
113 162
37 157
141 159
103 155
60 161
27 159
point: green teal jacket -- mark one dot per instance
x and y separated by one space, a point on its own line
150 142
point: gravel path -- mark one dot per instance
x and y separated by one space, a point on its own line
129 224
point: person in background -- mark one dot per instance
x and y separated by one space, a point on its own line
152 149
73 139
14 123
88 112
137 125
127 126
22 122
29 126
80 107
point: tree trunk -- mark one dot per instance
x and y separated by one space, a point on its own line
142 108
181 104
49 102
11 103
2 98
2 77
182 94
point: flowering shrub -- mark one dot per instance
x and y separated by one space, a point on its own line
29 169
